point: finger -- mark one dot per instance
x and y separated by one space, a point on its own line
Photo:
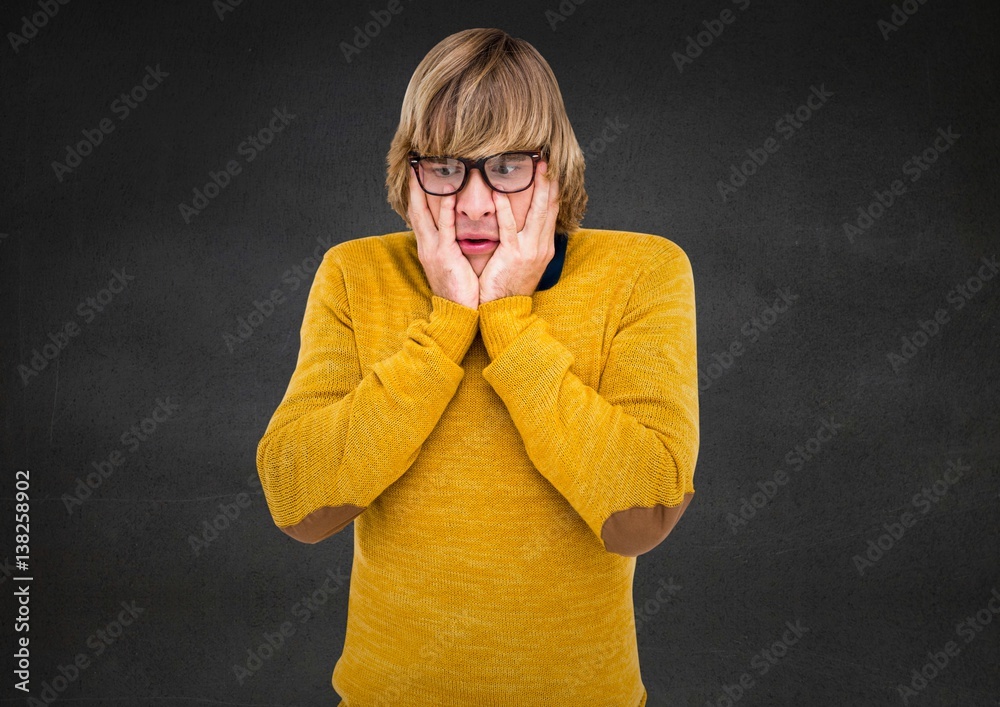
506 223
446 220
552 217
539 209
420 214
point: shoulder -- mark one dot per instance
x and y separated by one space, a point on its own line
368 250
638 252
368 260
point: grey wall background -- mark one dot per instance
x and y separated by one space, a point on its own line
726 590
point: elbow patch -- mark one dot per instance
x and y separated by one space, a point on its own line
322 523
635 531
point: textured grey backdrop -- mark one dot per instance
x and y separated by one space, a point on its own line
847 480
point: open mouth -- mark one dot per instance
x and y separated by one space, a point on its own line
477 245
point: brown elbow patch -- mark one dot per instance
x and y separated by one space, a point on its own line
637 530
322 523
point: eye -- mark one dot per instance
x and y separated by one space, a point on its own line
441 168
509 164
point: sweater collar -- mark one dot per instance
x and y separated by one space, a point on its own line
554 269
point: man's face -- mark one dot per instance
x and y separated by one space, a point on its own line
476 215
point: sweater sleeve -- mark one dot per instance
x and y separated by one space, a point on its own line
623 455
338 439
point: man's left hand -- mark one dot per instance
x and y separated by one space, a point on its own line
518 263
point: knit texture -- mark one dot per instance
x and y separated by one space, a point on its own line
487 448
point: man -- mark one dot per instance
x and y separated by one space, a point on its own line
509 424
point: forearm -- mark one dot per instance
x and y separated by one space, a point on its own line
325 456
623 456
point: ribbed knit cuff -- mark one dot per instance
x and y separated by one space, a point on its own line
501 320
453 326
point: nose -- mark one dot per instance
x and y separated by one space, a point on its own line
476 199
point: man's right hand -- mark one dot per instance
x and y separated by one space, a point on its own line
448 271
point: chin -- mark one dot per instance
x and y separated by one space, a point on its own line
478 263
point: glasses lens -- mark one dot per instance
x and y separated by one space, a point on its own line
509 172
441 175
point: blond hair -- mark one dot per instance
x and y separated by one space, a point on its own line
479 92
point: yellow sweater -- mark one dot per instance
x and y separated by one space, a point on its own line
503 467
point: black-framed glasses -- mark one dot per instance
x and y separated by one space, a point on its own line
506 172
